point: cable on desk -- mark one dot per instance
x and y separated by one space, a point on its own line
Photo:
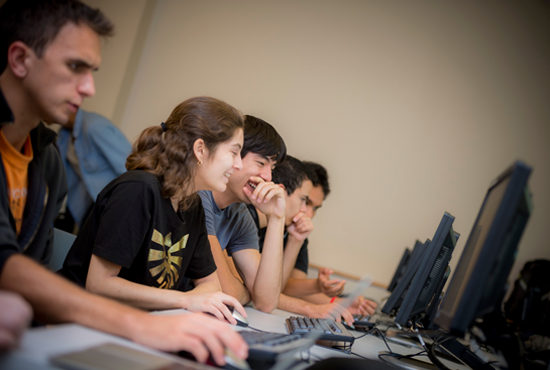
358 355
383 338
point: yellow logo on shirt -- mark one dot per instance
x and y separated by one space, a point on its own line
170 267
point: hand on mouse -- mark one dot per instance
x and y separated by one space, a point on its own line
200 335
214 303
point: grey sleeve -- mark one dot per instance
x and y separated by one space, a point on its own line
245 233
206 198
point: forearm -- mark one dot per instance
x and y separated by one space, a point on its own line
136 295
318 298
229 283
268 281
295 305
301 287
207 287
235 288
56 300
290 254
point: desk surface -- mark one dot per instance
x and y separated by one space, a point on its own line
39 344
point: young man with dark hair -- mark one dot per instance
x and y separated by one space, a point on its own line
321 188
49 50
298 180
231 230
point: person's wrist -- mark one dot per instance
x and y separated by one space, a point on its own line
332 299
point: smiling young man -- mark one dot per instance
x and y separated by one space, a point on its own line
231 230
48 51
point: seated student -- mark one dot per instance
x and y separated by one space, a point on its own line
93 151
233 234
294 176
147 230
231 230
48 50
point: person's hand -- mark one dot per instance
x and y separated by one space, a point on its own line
301 227
268 198
198 334
214 303
15 316
362 306
331 311
332 288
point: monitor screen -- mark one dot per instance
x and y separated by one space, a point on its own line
477 285
430 273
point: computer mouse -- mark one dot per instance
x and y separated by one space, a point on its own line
232 362
241 321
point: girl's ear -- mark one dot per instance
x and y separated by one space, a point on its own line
200 150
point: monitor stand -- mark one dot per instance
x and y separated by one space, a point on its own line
393 337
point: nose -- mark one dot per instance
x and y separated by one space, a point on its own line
304 208
86 85
308 211
238 163
266 173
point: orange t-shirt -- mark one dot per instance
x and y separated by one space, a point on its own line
16 165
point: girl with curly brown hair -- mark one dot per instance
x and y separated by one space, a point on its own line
146 236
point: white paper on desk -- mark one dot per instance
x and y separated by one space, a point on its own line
286 362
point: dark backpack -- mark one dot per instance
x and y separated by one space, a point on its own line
528 308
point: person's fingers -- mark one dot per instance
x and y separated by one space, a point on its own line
298 217
263 189
196 347
371 303
7 340
348 317
330 283
232 301
233 341
216 348
226 313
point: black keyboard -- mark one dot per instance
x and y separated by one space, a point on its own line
328 329
269 346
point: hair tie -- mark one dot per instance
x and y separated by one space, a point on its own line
163 125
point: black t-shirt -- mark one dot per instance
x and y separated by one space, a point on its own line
133 226
302 261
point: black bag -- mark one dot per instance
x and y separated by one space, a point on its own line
528 308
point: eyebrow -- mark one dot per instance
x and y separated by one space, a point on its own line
83 63
238 145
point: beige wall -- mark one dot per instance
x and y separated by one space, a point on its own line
413 107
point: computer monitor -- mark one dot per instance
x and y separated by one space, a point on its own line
480 277
427 320
400 270
430 273
396 298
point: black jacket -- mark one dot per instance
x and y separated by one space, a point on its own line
47 188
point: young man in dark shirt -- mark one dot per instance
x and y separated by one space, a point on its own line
48 51
299 180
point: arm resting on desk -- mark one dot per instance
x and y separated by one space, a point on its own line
206 297
56 300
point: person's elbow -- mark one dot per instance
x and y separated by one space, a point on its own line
266 305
